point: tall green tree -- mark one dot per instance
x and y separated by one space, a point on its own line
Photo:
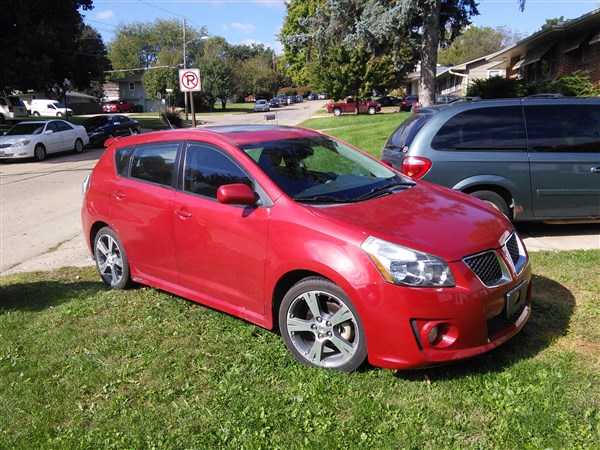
475 42
217 71
45 42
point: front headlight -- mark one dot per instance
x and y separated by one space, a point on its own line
408 267
22 143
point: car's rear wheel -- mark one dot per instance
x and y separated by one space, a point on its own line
2 118
39 152
371 110
35 113
111 260
78 146
493 199
321 327
337 112
59 114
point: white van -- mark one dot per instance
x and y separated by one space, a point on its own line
45 107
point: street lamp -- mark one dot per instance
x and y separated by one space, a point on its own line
185 43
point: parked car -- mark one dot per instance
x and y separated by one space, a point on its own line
37 139
12 108
312 96
389 100
445 99
100 128
274 103
261 106
532 159
322 96
48 107
118 106
408 102
289 228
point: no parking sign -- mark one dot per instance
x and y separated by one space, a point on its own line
189 80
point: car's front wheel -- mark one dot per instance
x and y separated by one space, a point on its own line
111 260
372 110
337 112
39 152
78 148
321 327
59 114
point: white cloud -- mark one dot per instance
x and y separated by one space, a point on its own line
105 15
243 27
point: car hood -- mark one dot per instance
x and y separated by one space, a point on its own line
426 217
5 140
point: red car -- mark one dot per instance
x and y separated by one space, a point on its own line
291 229
117 106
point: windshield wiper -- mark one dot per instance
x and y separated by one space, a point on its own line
321 199
385 189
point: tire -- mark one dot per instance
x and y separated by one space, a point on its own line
78 146
2 118
39 152
35 113
337 112
59 114
111 260
135 131
493 199
371 110
321 327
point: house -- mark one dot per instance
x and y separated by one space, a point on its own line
132 90
548 54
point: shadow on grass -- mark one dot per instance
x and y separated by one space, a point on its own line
552 307
40 294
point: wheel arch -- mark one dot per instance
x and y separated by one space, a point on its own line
97 226
500 185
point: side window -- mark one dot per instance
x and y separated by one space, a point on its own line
563 128
206 169
52 126
62 126
155 163
122 160
492 129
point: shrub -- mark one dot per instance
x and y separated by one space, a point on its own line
171 118
575 84
494 87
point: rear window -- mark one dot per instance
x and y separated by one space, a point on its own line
564 128
406 131
490 129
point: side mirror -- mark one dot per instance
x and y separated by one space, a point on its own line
236 194
48 132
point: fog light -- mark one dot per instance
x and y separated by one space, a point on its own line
438 334
433 335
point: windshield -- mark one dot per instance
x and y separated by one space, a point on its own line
97 121
26 128
324 170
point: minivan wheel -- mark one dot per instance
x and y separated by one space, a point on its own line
59 114
321 327
493 199
111 260
35 113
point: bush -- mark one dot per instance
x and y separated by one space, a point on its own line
171 118
575 84
494 87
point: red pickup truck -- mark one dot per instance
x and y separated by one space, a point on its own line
350 106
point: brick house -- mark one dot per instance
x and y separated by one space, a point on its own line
545 55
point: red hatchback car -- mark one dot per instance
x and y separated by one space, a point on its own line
289 228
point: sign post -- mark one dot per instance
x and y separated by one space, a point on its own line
189 81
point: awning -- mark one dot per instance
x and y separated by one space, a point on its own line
534 55
575 43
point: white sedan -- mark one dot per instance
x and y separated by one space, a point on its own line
37 139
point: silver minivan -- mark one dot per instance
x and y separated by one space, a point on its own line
532 159
12 108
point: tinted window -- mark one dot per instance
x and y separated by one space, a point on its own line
407 130
155 163
483 129
206 169
564 128
63 126
122 160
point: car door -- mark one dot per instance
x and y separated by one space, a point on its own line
52 141
120 126
141 211
221 249
67 135
564 150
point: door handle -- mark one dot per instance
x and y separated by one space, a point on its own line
183 213
595 169
119 195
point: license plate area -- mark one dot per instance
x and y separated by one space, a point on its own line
515 299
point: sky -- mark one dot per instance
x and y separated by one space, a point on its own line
259 21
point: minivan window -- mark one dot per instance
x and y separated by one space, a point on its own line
407 130
155 163
500 128
568 128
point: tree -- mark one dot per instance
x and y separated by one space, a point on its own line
45 42
217 71
475 42
387 27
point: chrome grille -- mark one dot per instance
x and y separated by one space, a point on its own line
487 268
513 248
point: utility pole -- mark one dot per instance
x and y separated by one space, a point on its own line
185 94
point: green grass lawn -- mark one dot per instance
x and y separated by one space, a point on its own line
85 367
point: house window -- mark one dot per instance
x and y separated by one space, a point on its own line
131 86
494 73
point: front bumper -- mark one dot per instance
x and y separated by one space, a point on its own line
408 328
